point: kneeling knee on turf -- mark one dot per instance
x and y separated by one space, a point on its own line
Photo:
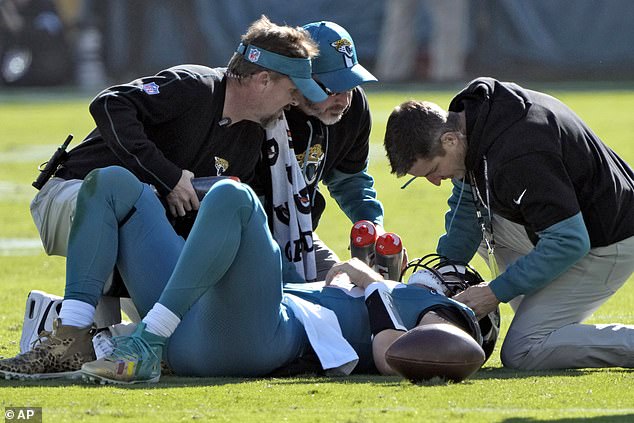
516 352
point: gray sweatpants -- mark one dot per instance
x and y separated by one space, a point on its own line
547 330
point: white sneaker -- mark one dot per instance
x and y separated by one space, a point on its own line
41 310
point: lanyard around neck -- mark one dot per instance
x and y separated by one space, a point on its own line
487 230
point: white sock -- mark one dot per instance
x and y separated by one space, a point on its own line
77 313
161 321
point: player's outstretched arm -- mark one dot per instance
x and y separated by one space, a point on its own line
357 271
380 345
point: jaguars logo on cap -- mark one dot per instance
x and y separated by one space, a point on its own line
221 165
345 47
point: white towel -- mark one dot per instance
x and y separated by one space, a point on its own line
335 354
292 222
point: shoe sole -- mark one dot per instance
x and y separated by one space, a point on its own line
40 376
92 378
41 310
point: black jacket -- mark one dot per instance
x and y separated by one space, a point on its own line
157 126
543 164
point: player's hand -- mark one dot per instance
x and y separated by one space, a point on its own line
183 197
480 298
357 271
340 279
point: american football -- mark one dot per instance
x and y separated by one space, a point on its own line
450 277
435 350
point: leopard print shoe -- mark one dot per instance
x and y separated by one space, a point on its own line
59 354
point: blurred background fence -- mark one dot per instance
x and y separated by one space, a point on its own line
91 43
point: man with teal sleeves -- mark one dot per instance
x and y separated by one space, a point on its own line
331 138
542 197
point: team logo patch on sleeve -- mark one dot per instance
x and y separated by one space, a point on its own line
151 88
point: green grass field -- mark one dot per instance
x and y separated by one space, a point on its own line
32 125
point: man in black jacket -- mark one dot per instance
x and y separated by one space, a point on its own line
183 122
558 200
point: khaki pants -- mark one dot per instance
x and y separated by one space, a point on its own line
547 330
53 210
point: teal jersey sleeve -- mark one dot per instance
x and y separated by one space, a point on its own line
559 247
355 195
462 231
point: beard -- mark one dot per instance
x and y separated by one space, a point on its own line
330 116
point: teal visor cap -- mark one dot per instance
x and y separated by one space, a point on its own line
297 69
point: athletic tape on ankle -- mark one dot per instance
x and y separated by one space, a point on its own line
381 310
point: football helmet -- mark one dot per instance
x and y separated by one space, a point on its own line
450 277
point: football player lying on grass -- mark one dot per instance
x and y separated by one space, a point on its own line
214 305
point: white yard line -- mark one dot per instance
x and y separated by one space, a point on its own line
12 192
20 247
31 153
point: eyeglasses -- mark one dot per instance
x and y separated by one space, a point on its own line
328 91
409 181
323 87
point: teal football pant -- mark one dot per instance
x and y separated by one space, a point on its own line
224 281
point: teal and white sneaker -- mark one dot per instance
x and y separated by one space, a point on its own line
134 359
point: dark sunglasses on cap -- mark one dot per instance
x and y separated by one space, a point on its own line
327 90
323 87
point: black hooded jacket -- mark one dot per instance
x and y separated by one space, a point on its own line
542 164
